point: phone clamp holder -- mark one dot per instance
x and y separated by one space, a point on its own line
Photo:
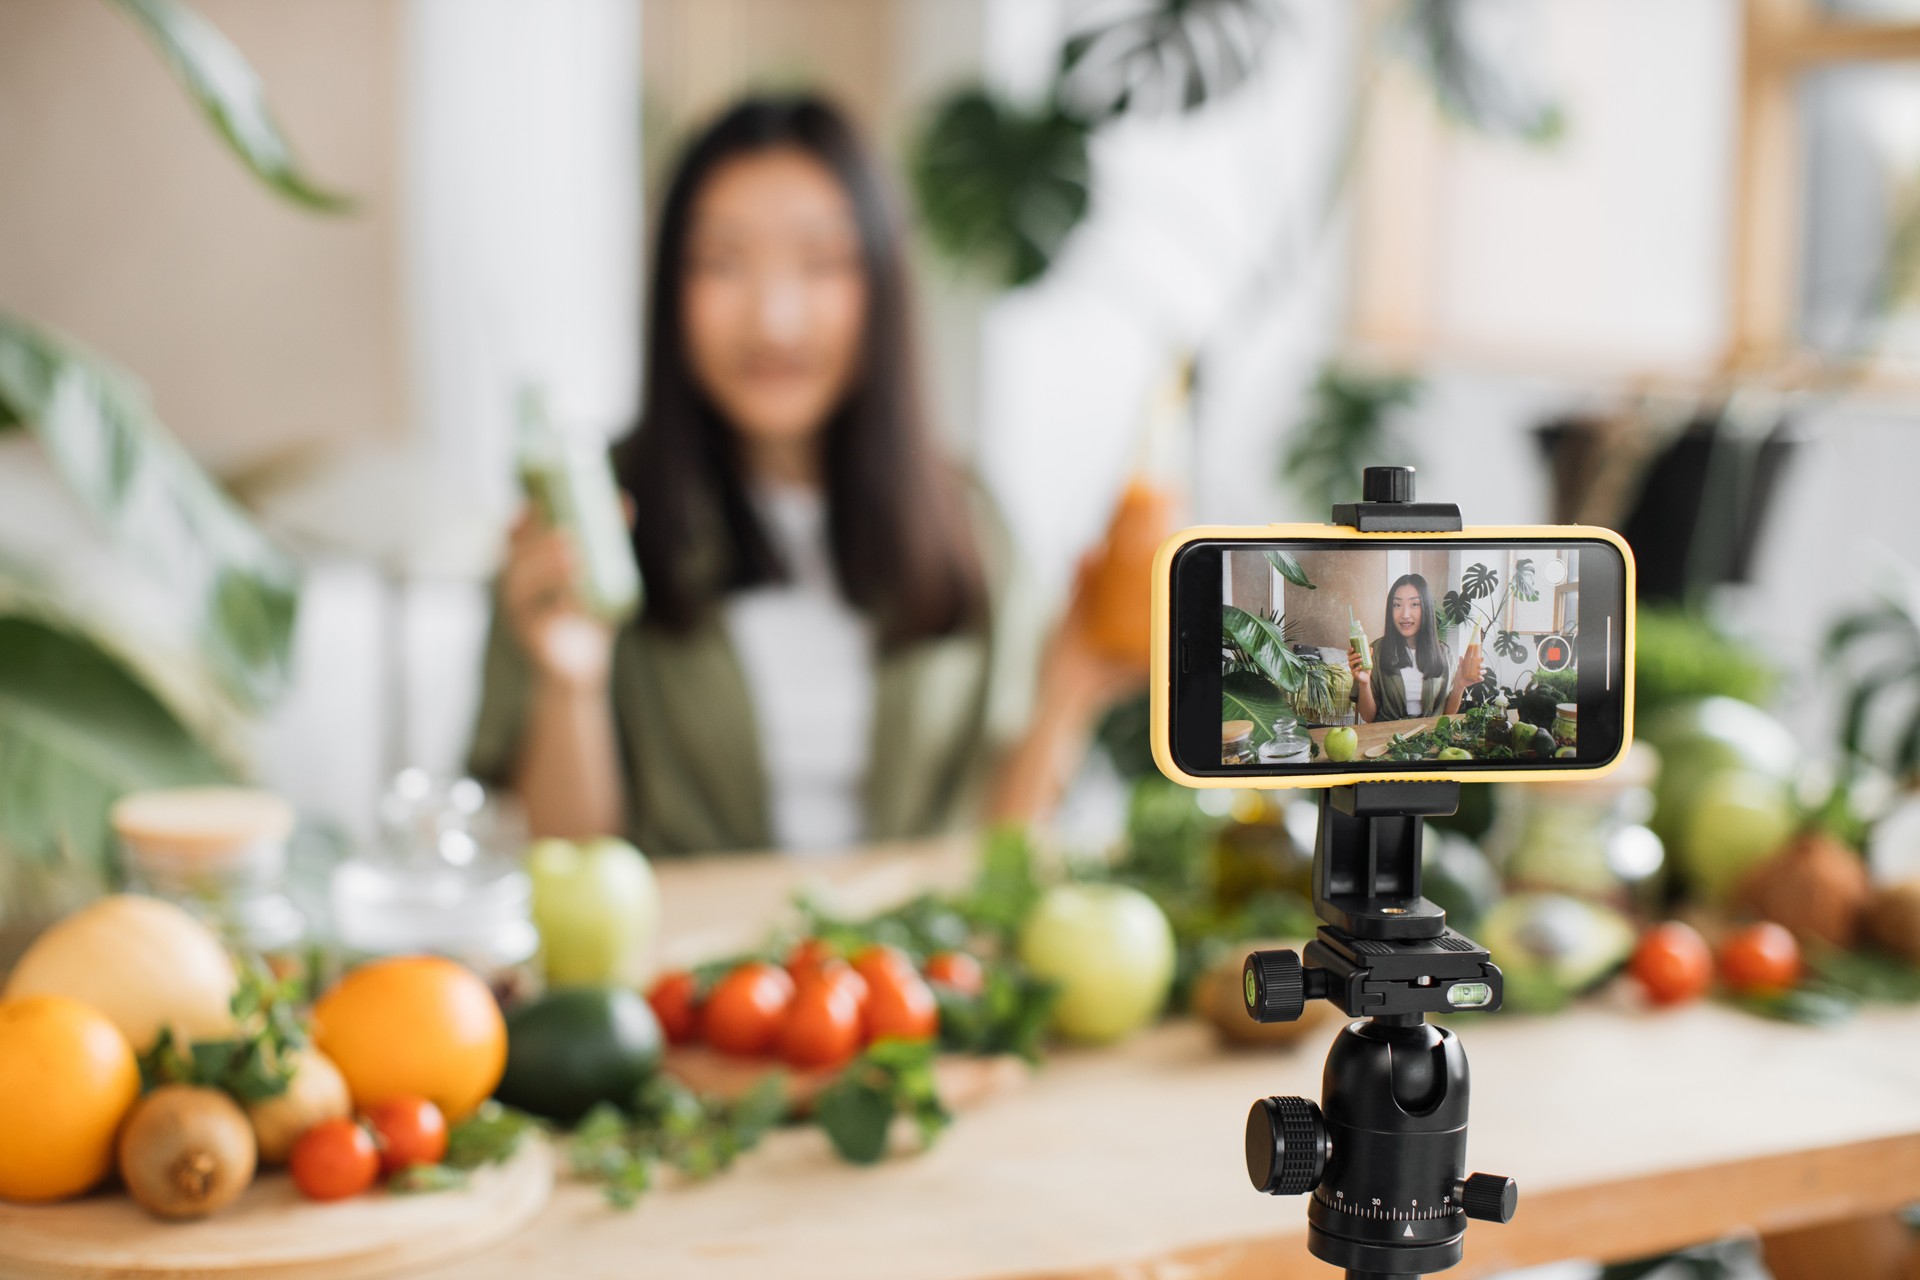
1383 1153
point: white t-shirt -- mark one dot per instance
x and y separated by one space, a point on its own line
1410 677
808 659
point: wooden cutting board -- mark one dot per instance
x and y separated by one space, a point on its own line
962 1080
273 1233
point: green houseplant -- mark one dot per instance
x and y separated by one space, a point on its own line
89 710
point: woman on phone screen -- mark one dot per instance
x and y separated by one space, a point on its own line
832 647
1413 671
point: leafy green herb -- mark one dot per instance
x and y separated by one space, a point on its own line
669 1123
892 1078
256 1063
425 1179
1808 1005
1008 1016
491 1135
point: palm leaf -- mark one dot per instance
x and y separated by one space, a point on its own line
228 91
78 729
1246 696
1868 693
1265 645
1289 568
131 476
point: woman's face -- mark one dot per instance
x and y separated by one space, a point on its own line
1406 610
776 297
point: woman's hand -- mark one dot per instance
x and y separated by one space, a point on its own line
1468 673
1362 678
569 647
1074 672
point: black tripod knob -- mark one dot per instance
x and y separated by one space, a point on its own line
1276 988
1286 1146
1387 484
1488 1197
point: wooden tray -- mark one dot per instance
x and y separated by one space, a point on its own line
963 1081
274 1233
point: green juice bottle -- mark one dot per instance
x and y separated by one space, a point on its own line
571 487
1357 640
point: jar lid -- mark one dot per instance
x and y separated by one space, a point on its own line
1567 710
201 821
1231 729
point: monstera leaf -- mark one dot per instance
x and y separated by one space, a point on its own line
1479 582
1523 587
226 88
1509 645
1456 609
1462 51
1162 55
1000 188
132 477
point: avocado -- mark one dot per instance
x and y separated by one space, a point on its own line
578 1046
1551 947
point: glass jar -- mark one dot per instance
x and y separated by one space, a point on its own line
1236 742
1566 724
1288 745
437 881
220 852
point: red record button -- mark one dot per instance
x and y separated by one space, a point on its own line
1556 653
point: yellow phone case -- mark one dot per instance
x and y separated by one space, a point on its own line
1160 668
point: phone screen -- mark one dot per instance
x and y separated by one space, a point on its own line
1343 656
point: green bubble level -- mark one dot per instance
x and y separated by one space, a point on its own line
1470 995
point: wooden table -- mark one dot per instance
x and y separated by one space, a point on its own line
1629 1133
1377 733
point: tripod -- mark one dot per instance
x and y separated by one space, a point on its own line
1383 1153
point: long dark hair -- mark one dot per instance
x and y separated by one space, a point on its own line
1428 655
898 521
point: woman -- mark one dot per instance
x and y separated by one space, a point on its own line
832 647
1410 665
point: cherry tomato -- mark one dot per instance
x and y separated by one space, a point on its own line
809 955
877 962
410 1131
958 970
676 1003
333 1160
1672 963
822 1028
1760 959
745 1010
900 1005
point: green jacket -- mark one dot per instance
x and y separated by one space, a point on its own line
943 710
1390 695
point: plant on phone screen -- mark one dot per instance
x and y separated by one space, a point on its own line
1481 582
1260 674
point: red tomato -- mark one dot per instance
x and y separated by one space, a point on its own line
745 1010
410 1131
676 1003
333 1160
809 955
958 970
900 1005
1760 959
1672 963
877 962
823 1023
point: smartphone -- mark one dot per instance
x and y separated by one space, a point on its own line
1315 655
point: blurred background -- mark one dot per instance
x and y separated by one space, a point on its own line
1651 264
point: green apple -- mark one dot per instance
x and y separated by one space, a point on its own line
1110 950
1454 753
1342 743
597 907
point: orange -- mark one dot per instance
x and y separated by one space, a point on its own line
67 1079
416 1026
